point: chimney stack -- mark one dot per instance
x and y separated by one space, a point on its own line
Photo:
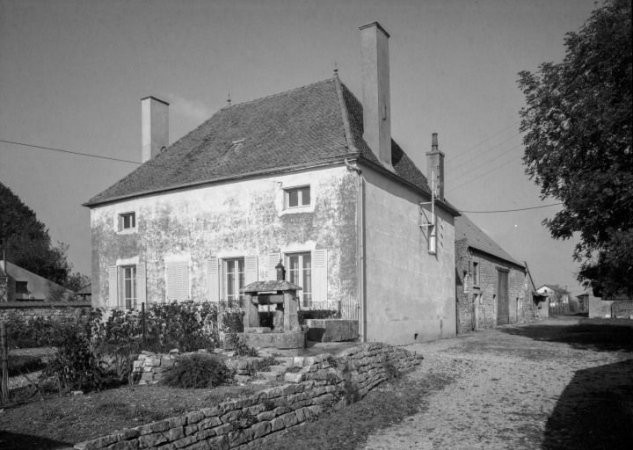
155 127
376 95
435 168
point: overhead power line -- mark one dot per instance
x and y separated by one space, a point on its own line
512 210
70 152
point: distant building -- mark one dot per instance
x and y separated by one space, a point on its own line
18 284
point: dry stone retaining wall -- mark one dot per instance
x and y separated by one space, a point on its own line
321 383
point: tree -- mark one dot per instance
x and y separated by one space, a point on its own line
27 241
578 144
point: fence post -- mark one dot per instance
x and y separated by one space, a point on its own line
143 323
4 356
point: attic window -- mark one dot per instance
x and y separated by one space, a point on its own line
237 145
297 197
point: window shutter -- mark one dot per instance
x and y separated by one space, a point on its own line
177 280
141 284
319 276
213 280
272 259
250 270
113 287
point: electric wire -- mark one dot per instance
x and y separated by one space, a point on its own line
512 210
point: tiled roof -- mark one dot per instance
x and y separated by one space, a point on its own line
477 239
313 124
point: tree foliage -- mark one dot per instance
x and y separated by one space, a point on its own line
28 243
578 145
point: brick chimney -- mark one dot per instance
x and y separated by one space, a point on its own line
155 127
435 168
376 95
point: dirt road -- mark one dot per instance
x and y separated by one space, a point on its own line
556 384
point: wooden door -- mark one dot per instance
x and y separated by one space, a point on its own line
503 304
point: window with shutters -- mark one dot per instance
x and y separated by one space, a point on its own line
233 278
128 294
299 272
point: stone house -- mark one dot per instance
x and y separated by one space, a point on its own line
310 177
492 288
559 298
18 284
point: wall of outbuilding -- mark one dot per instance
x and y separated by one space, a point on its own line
478 305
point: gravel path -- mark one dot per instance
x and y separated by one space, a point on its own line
521 387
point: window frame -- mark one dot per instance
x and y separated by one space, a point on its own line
121 218
239 280
300 190
476 273
305 295
128 302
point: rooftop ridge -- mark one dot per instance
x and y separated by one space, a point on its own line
278 94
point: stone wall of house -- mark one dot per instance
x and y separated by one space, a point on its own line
322 383
46 310
202 226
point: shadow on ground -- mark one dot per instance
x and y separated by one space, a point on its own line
595 411
594 334
16 441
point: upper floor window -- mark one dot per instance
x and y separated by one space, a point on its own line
127 221
475 273
297 197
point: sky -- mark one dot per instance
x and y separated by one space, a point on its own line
72 73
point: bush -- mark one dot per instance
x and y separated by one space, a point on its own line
75 365
197 371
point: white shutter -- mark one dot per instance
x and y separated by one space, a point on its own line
177 274
319 276
272 259
141 284
113 287
213 280
250 270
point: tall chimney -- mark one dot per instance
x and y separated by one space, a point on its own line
155 127
435 168
376 95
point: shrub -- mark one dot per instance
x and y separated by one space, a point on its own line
197 371
236 342
75 365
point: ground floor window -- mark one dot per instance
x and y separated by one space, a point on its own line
233 278
128 286
299 272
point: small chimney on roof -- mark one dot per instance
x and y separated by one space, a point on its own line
155 127
435 168
376 95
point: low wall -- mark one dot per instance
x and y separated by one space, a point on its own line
46 310
320 384
332 330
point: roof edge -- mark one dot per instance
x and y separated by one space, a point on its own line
339 159
514 263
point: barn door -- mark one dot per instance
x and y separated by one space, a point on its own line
503 299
